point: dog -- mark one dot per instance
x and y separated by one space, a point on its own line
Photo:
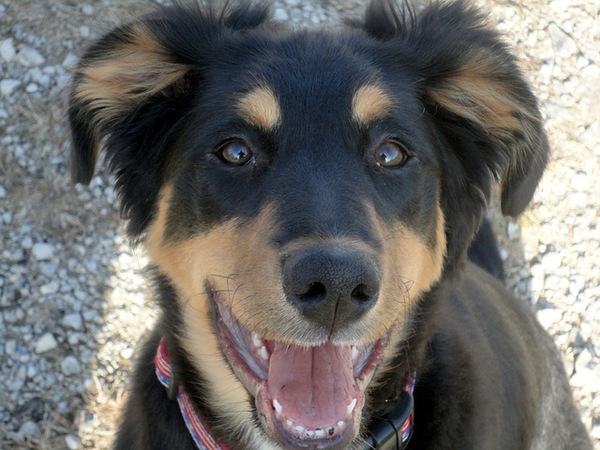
312 205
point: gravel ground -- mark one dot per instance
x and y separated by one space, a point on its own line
72 292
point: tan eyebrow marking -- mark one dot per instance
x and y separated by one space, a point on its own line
261 108
370 102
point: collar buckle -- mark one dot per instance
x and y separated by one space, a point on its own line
394 430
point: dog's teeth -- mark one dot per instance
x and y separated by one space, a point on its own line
319 433
341 424
330 431
289 423
354 353
310 433
257 341
278 408
264 354
350 407
299 429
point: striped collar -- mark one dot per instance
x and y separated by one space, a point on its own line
193 421
392 431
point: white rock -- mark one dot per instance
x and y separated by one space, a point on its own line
281 14
580 181
45 343
551 261
72 442
7 50
42 251
73 321
84 31
70 366
88 10
549 317
32 88
28 428
584 360
586 378
8 86
27 242
70 60
10 347
29 57
50 288
126 353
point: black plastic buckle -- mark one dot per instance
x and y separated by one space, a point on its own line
385 433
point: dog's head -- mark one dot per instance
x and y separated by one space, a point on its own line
302 191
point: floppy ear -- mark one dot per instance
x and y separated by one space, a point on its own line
125 70
133 87
473 89
478 83
151 62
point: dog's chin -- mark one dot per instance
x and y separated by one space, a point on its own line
306 396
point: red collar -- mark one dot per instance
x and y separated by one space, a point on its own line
396 429
194 422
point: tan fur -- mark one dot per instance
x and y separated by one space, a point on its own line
370 102
410 267
240 266
126 75
260 107
473 93
239 263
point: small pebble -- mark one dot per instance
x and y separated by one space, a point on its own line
42 251
70 366
46 343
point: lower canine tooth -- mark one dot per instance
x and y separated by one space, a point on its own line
354 353
256 340
278 407
350 407
263 353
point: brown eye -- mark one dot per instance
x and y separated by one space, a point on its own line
236 153
391 154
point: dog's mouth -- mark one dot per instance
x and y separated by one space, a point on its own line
306 396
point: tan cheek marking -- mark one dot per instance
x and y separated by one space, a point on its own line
370 102
261 108
239 263
417 262
187 264
408 259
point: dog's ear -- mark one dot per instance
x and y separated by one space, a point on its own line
125 70
473 89
133 87
152 61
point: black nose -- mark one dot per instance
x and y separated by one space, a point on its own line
331 286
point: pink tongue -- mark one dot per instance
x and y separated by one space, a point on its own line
313 385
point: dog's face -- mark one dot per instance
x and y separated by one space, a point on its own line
301 192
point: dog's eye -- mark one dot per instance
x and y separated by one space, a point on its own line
391 154
236 153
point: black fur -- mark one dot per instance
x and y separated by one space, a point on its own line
468 120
